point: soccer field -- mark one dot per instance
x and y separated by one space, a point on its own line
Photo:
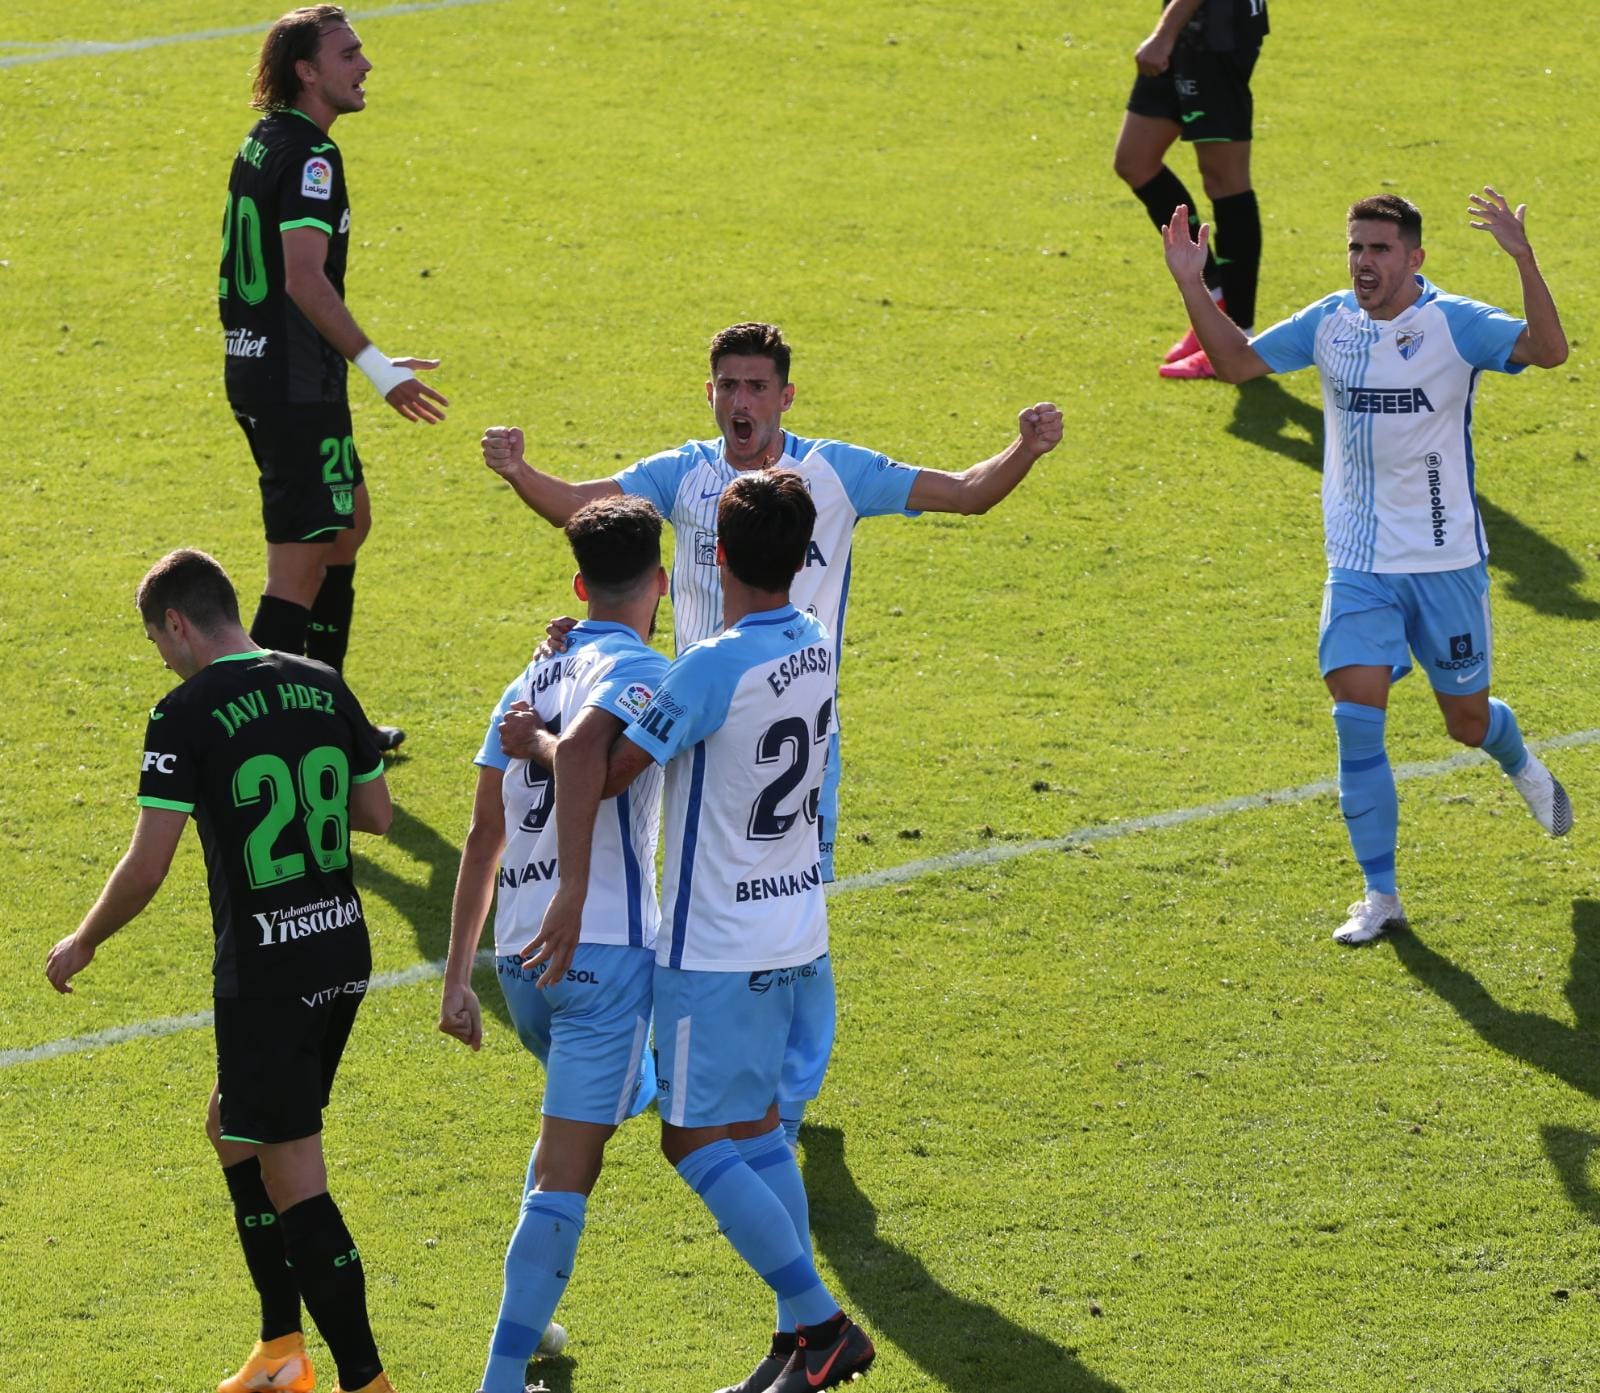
1108 1113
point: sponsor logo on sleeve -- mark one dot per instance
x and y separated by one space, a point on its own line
635 699
316 179
162 764
344 222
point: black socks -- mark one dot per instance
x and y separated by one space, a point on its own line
261 1237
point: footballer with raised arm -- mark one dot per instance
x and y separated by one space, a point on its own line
1407 557
273 758
287 335
749 392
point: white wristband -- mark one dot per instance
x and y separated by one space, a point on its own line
384 374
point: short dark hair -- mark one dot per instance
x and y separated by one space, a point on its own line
292 38
752 341
617 545
1390 207
764 523
192 583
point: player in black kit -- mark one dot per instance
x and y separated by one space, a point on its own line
275 760
287 335
1193 82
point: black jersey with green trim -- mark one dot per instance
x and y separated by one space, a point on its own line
1224 25
288 173
263 748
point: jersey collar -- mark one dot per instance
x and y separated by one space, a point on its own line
241 657
782 615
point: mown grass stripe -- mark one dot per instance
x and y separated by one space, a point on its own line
870 880
89 48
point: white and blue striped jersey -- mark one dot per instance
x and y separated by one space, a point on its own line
846 482
1398 469
742 723
604 665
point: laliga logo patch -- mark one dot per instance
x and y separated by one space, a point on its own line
1408 341
635 699
316 180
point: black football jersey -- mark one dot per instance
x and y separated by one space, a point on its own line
1224 25
287 174
263 748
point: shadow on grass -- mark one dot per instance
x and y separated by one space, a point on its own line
1570 1053
426 907
962 1344
1569 1151
1538 573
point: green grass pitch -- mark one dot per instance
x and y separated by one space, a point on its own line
1114 1118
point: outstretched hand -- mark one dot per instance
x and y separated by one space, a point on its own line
413 398
1040 428
502 448
1498 220
1186 255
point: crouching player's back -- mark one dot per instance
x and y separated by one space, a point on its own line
741 722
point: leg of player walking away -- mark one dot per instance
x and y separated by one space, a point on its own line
1487 723
326 1262
294 575
1142 145
539 1258
328 633
279 1356
1225 171
1367 797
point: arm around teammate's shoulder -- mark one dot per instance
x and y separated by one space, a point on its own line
978 488
553 499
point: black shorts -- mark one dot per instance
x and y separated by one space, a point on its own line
309 467
276 1058
1207 94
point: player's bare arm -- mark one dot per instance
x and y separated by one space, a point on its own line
979 488
370 807
1543 344
130 887
553 499
459 1012
524 736
580 770
1154 55
305 255
624 764
1223 340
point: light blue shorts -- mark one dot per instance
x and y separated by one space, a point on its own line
590 1031
723 1040
1377 619
811 1026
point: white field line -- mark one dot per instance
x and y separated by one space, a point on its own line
871 880
89 48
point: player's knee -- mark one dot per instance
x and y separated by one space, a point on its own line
1468 727
1134 169
213 1123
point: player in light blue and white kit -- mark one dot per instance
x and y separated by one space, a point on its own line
582 1007
741 722
749 392
1407 570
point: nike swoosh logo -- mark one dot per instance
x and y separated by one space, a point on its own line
820 1378
291 1366
714 492
1464 677
1192 116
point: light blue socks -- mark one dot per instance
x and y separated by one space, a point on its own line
1366 792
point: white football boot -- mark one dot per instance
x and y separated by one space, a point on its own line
1546 799
1371 918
